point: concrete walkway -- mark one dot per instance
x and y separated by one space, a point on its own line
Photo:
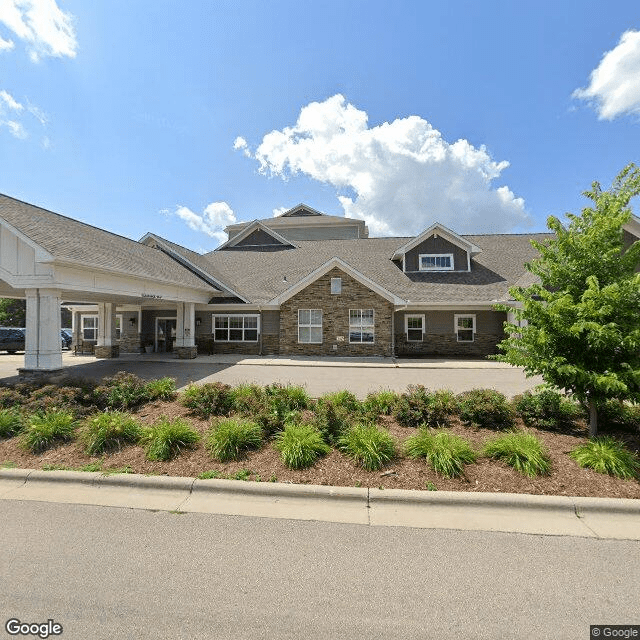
318 375
543 515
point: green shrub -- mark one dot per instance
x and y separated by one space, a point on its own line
10 423
43 431
606 455
10 397
210 475
161 389
300 445
547 409
121 391
332 418
368 446
52 397
617 415
520 450
287 398
209 399
485 408
419 406
109 431
344 400
445 452
381 403
166 438
248 399
230 439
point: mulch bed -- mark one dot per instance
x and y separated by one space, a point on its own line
566 477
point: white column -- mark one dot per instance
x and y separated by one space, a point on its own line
76 327
106 324
43 342
185 324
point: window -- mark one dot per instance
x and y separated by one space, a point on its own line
414 328
310 326
465 327
236 328
436 262
361 327
118 326
336 285
89 327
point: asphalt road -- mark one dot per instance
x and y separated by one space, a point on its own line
121 574
317 379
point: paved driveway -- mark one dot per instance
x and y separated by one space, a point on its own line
359 375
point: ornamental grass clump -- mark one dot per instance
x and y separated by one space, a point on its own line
110 431
445 452
300 445
231 438
520 450
485 408
606 455
380 403
368 446
161 389
209 399
547 409
43 431
166 438
10 423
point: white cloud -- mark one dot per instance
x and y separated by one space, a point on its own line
6 45
10 102
400 177
47 30
614 86
14 113
279 211
239 143
215 217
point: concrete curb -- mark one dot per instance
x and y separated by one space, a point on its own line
610 518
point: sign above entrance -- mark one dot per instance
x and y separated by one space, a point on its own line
152 295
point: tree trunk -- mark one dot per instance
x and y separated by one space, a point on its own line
593 418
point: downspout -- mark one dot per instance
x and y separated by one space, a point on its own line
260 334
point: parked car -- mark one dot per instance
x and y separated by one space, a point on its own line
12 339
67 338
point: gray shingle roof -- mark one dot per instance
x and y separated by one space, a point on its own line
70 240
259 276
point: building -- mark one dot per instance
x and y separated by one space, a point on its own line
304 283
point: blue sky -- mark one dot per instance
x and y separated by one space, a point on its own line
181 117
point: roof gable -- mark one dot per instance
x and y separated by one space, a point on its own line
439 229
251 228
301 210
328 266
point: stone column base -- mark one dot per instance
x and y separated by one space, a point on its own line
107 352
51 376
186 353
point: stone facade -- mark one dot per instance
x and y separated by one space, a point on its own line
335 318
112 351
186 353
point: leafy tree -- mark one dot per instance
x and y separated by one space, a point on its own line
12 312
583 331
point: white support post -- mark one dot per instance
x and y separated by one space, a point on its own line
106 324
185 324
43 350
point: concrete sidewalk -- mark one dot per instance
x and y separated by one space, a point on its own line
603 518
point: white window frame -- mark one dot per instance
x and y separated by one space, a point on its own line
118 333
310 325
456 328
85 328
406 325
435 255
336 286
361 325
228 329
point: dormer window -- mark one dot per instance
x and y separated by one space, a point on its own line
436 262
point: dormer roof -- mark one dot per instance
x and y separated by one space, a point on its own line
437 229
252 228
